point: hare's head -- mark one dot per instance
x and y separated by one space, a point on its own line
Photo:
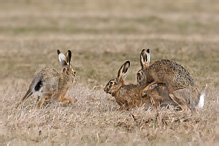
115 84
65 60
144 61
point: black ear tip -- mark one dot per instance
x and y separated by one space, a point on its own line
126 65
143 50
69 51
148 50
128 62
58 52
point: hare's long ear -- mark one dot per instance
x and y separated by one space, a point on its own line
145 58
123 70
68 57
62 58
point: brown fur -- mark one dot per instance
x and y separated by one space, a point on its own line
127 96
173 75
51 84
159 95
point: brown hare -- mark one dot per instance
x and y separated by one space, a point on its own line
50 84
127 96
132 95
159 95
176 78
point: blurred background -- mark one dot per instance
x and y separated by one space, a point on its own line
103 34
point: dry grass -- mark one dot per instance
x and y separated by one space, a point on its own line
94 118
102 35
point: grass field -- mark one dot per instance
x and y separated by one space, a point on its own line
102 35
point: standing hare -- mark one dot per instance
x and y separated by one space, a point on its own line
51 84
127 96
176 78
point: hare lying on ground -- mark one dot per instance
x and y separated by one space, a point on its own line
129 96
51 84
176 78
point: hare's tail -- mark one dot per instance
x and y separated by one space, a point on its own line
28 94
201 102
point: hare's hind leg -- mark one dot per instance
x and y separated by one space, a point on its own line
64 99
180 101
40 104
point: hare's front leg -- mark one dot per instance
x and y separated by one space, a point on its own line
154 101
64 99
148 87
123 106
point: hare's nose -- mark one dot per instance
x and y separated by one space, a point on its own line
105 90
74 73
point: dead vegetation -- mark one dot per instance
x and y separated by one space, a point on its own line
102 35
94 118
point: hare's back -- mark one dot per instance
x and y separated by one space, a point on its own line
160 91
130 91
172 73
46 78
128 95
48 72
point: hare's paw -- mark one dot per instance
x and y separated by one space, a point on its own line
40 104
66 100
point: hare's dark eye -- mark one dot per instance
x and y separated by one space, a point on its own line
139 76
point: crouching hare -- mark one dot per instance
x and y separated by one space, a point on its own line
51 84
127 96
